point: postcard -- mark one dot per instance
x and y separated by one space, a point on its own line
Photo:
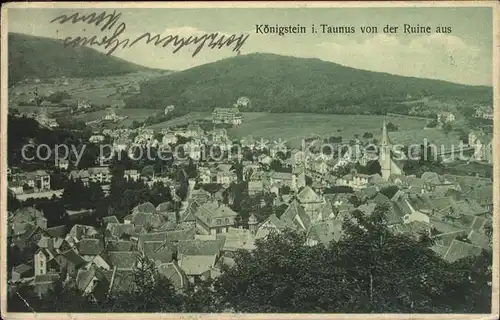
250 160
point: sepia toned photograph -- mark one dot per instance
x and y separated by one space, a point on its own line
249 158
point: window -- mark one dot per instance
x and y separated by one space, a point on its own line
219 221
227 220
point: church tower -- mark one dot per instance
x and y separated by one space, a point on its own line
384 157
252 224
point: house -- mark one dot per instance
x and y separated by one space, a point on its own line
38 180
324 233
484 113
213 217
83 104
459 249
120 144
174 274
225 174
131 175
243 102
43 283
255 187
283 179
25 219
99 174
248 142
194 131
445 117
226 116
271 224
169 138
265 159
193 149
354 180
16 187
98 138
196 257
169 109
312 203
110 115
45 121
158 251
63 164
79 232
82 175
122 260
48 261
21 271
219 135
94 281
238 239
295 217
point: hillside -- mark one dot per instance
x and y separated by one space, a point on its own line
288 84
39 57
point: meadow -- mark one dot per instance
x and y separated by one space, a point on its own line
293 127
180 121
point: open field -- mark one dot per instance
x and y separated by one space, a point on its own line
293 127
98 91
132 114
33 109
192 116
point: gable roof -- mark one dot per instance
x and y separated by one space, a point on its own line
380 199
196 265
239 239
110 219
72 257
90 247
199 247
120 229
84 277
307 195
459 249
212 210
178 235
122 259
445 239
27 214
158 251
164 206
122 281
22 268
172 272
325 232
57 231
120 245
467 207
294 210
479 239
147 207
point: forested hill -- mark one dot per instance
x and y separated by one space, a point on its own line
288 84
40 57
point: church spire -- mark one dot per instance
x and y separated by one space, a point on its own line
385 137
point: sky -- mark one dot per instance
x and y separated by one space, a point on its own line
462 56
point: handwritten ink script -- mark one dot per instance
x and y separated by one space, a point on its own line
111 22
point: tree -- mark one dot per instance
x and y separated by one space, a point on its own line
389 191
447 127
432 124
370 269
150 292
391 127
